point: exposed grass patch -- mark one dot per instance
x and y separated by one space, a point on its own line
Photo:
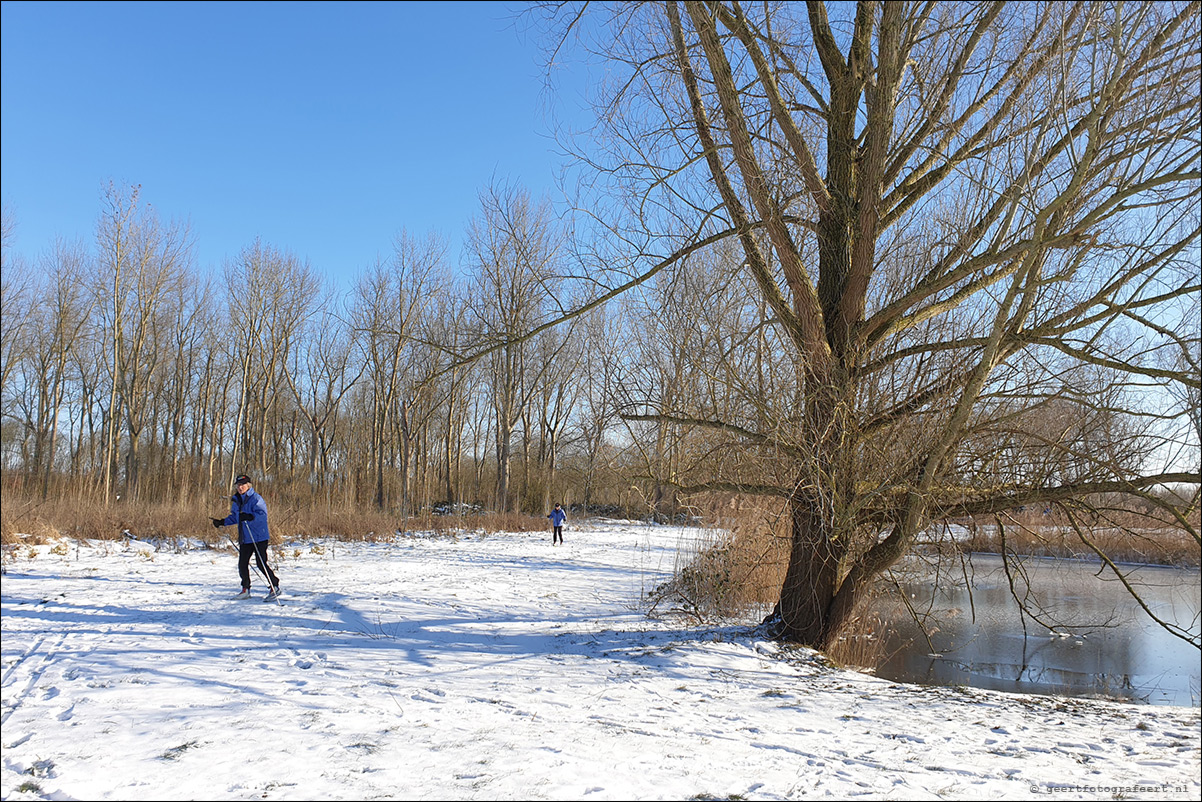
174 752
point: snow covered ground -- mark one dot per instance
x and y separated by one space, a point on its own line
496 667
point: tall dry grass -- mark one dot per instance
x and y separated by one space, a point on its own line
32 520
35 520
738 570
1122 538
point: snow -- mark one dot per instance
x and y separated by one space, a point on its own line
496 667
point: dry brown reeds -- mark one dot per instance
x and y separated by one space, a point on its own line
1158 548
862 644
1120 539
35 521
740 569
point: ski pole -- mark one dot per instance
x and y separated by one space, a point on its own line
261 562
262 555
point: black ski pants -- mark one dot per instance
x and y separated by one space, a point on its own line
260 551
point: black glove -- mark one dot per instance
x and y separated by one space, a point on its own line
217 523
246 516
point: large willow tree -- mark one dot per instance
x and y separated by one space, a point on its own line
973 227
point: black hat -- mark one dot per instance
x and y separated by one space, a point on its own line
242 479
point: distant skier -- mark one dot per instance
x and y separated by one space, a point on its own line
249 512
557 516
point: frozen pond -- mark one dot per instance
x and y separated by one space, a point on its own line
1100 642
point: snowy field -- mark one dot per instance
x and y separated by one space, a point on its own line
496 667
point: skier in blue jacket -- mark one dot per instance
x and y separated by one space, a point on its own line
249 512
557 516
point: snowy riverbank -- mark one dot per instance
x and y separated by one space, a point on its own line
496 667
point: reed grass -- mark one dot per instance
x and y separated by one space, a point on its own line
35 521
1120 541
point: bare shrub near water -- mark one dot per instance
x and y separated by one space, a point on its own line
736 571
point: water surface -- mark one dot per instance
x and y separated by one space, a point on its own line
1095 640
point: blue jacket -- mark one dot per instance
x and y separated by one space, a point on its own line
557 517
250 503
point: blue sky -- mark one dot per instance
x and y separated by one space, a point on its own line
324 128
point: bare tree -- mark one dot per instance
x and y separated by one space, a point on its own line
142 262
271 294
16 306
557 396
393 303
449 336
64 310
598 408
953 214
322 374
190 334
513 245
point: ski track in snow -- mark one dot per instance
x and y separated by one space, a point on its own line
496 667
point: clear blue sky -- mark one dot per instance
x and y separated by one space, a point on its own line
324 128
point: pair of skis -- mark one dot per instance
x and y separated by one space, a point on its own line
271 596
274 593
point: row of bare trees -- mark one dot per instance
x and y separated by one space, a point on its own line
129 373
